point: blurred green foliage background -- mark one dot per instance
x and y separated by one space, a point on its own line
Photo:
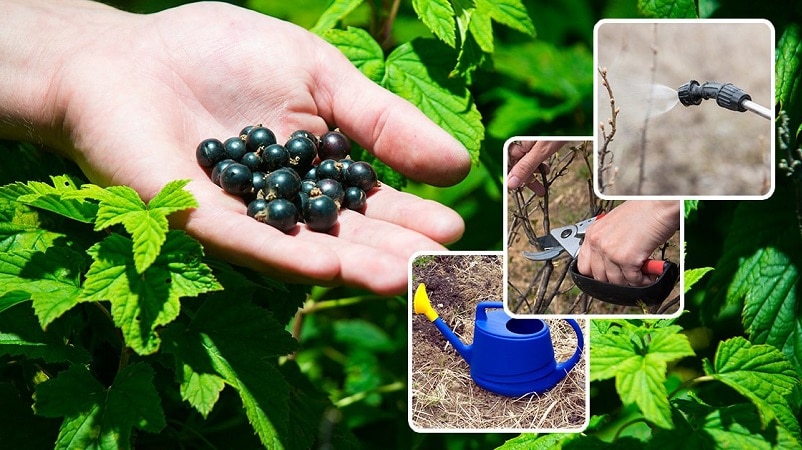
354 344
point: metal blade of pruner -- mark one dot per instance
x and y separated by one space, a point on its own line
563 239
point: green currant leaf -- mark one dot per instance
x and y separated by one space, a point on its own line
141 302
789 73
770 223
692 276
668 9
638 357
17 218
762 374
20 334
481 27
689 206
50 198
230 341
438 16
361 49
769 283
532 441
12 298
96 417
51 278
147 224
511 13
336 11
416 72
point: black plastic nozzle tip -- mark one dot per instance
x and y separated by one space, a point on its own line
688 93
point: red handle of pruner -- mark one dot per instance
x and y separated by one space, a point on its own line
653 267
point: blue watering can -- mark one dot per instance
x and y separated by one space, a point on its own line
509 356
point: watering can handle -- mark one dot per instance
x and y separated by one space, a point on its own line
481 313
580 344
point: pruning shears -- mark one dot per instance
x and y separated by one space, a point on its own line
569 238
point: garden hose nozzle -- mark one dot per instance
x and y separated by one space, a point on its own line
727 96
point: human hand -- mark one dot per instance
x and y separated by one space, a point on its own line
525 158
617 246
130 101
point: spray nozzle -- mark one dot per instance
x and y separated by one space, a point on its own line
727 96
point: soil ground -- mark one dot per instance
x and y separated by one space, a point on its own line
443 396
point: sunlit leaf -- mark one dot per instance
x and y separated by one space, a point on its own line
668 9
762 374
142 302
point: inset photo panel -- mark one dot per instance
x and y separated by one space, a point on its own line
569 252
684 109
475 368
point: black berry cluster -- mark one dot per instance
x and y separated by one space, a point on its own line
308 179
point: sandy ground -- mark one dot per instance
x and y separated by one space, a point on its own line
702 150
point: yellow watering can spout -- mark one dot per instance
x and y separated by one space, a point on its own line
422 305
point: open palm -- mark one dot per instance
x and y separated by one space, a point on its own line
143 90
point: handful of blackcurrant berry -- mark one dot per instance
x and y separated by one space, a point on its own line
308 179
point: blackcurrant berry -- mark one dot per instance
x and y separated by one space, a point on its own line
334 145
302 153
235 148
361 175
280 213
282 183
236 179
257 206
301 201
355 198
258 181
259 137
320 213
244 133
329 168
307 186
307 134
210 152
252 160
218 169
346 163
275 156
311 174
332 189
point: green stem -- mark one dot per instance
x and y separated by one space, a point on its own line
690 383
388 24
351 399
339 303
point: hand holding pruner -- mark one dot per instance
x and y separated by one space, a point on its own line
569 238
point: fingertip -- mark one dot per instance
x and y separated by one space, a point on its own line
446 227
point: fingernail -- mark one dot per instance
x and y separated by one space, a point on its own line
513 182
